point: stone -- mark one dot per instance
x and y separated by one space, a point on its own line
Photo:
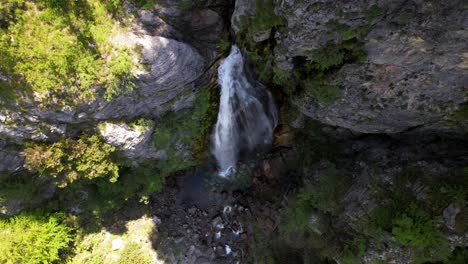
316 224
450 215
134 142
117 244
10 160
241 8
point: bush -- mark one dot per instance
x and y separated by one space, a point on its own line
415 228
31 238
68 160
321 196
265 17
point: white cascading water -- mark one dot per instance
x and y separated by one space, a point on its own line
247 114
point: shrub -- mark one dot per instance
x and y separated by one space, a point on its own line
416 228
321 196
321 90
31 238
265 17
68 160
459 256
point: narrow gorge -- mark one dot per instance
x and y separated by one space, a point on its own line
247 131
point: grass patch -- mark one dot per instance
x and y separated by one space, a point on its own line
61 50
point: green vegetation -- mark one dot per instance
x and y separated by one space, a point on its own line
265 17
459 256
141 124
96 247
68 160
61 50
415 228
133 253
373 12
146 4
224 45
410 221
191 128
321 196
19 186
33 238
313 73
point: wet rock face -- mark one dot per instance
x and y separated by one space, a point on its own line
415 74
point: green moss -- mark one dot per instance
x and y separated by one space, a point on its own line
189 128
265 17
322 91
373 12
461 115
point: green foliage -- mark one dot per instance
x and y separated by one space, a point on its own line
416 228
33 238
348 258
19 186
459 256
326 57
461 114
146 4
321 89
320 196
141 124
190 127
265 17
335 55
61 49
68 160
224 45
402 215
133 253
120 74
373 12
358 246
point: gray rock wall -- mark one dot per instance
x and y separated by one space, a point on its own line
416 71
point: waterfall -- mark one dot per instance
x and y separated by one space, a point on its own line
247 114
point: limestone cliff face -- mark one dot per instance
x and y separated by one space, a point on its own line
176 54
415 73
